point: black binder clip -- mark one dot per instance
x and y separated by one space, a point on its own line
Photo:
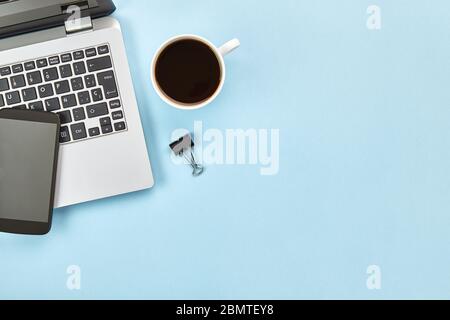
184 147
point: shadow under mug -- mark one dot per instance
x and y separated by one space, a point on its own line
219 52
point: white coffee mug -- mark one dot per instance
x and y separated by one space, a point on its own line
219 52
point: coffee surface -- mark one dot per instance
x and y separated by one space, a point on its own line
188 71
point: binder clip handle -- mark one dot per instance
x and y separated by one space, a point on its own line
184 147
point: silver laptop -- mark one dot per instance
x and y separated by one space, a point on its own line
78 69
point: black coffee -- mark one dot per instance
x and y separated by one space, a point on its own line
188 71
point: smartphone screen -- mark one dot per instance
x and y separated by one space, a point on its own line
27 164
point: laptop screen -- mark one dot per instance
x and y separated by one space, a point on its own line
20 6
26 8
20 16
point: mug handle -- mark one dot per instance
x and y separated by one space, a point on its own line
229 46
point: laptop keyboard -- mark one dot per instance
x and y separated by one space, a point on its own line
79 86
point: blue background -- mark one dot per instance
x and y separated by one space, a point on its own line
364 164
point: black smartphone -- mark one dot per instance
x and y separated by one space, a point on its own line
29 145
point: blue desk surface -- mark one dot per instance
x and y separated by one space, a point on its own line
364 173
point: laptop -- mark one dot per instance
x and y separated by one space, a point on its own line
78 69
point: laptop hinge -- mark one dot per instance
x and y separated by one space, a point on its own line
78 25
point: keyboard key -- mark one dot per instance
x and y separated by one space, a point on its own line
84 97
17 68
12 98
2 101
97 110
53 60
92 52
69 101
77 84
90 81
93 132
34 78
105 121
20 107
45 91
78 114
5 71
64 135
115 104
103 50
107 129
18 81
67 57
79 68
116 115
78 131
97 95
52 104
36 106
4 85
62 87
65 71
107 80
99 64
29 94
41 63
50 74
65 117
77 55
30 66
